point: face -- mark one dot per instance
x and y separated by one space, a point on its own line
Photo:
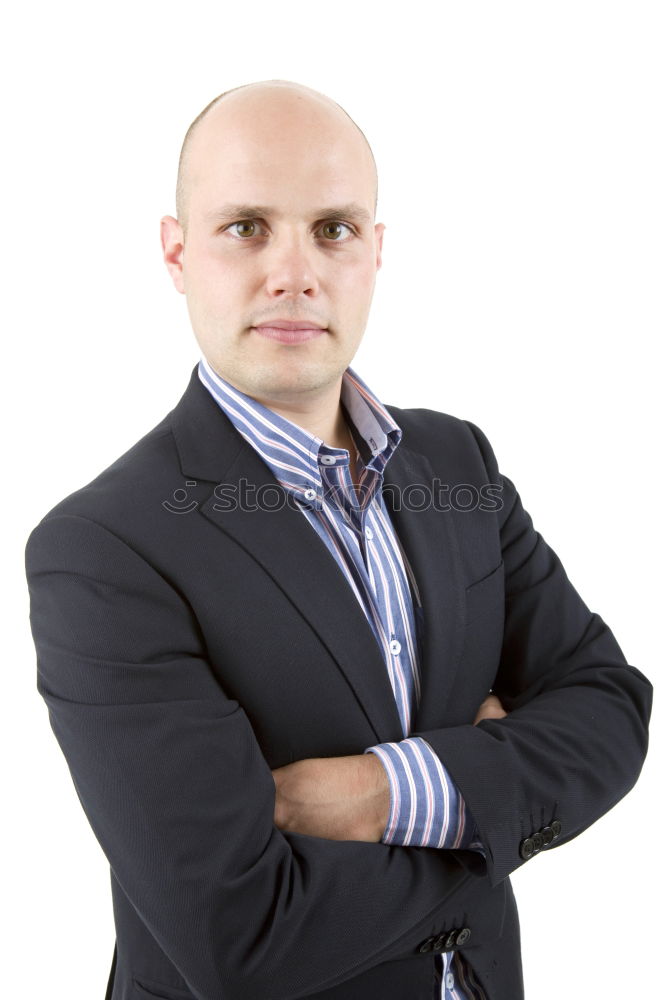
279 228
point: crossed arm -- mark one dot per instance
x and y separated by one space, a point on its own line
342 798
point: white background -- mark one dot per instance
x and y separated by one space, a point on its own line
522 163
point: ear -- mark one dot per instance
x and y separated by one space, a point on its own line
173 246
379 240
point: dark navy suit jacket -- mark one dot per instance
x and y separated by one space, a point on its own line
186 646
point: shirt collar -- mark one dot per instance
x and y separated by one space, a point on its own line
293 455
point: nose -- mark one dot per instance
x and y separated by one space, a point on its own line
291 267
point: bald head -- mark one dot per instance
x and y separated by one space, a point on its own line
277 106
276 221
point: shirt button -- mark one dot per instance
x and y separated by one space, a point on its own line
310 494
395 646
369 533
450 981
328 459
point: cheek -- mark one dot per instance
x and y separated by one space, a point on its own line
354 276
361 288
212 279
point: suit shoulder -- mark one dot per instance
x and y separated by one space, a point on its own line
437 434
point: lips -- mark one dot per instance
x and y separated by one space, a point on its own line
287 324
288 331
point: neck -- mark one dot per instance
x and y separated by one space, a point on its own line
320 412
324 419
331 428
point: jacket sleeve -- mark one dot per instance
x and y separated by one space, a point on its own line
181 800
576 735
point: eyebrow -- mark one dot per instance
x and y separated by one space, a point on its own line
231 213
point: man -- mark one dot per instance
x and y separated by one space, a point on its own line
268 659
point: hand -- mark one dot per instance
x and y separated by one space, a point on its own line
339 798
490 708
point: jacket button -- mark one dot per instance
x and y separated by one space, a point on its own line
538 842
556 827
463 936
427 945
548 835
526 848
438 944
451 940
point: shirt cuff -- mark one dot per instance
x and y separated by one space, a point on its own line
427 808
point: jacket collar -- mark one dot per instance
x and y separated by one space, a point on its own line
292 453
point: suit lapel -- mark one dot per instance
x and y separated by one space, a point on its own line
284 543
429 540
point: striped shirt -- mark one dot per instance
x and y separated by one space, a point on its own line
426 807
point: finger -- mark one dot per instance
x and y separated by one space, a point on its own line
490 708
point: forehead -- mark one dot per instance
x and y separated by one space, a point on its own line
285 150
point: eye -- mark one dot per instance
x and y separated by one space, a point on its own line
333 229
246 228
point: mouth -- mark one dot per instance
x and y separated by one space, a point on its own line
287 332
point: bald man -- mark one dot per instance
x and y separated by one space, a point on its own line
315 724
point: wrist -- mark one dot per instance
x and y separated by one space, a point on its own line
379 792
